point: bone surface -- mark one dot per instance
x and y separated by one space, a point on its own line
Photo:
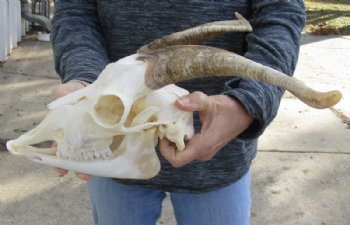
111 127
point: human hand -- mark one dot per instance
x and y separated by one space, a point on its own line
223 119
57 92
67 88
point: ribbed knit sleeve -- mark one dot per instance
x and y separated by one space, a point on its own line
274 42
78 44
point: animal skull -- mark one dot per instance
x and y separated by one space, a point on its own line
111 127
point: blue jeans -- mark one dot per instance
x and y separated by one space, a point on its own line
118 204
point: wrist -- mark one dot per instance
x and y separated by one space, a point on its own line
239 109
243 120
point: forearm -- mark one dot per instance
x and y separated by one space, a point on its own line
78 44
274 42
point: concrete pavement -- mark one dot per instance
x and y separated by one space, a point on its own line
300 176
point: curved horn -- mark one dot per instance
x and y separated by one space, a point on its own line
200 33
176 63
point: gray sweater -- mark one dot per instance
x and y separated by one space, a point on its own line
88 34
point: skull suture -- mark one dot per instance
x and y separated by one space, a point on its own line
111 127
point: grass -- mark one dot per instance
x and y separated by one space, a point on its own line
328 17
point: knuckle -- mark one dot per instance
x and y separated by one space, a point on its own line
199 94
181 160
176 164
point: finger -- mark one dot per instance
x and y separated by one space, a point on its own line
196 101
64 89
167 149
61 172
83 176
202 145
175 157
60 90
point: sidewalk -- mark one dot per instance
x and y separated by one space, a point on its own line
300 176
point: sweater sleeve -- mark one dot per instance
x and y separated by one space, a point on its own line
78 44
274 42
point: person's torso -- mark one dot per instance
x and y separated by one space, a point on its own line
128 25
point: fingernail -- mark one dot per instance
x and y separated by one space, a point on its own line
83 176
184 100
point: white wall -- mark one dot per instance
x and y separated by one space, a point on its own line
10 26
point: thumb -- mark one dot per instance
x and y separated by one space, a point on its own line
196 101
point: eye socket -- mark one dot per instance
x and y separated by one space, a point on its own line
108 110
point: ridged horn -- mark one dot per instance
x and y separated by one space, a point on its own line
200 33
184 62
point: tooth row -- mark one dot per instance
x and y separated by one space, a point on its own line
84 155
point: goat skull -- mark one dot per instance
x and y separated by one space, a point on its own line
109 128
